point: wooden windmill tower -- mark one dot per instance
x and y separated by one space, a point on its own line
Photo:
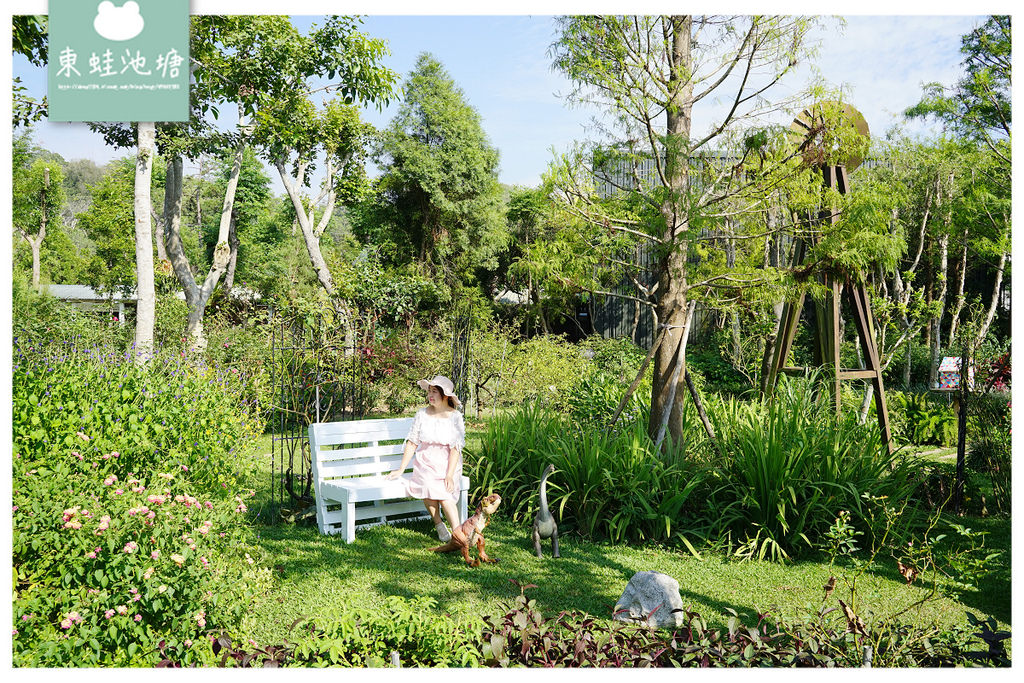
811 134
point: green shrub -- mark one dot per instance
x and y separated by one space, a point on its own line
787 466
169 412
524 637
108 562
363 637
593 401
922 418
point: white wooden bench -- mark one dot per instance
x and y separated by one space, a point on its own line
350 461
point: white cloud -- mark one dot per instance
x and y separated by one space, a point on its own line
118 23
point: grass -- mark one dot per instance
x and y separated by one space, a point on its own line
316 575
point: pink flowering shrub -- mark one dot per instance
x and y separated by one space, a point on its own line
104 575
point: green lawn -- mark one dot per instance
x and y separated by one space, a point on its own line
316 575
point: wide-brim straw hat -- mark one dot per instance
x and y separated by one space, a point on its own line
442 383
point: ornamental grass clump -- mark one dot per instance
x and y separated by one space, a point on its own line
787 466
612 485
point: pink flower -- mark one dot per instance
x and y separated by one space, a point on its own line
110 480
130 547
66 624
109 613
114 454
25 617
209 505
206 562
82 436
122 609
14 632
91 555
138 617
119 492
156 500
177 559
14 508
241 508
184 468
155 554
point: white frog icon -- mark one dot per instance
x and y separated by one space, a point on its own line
118 23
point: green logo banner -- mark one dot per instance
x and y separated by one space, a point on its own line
121 60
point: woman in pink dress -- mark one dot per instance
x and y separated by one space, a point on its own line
436 440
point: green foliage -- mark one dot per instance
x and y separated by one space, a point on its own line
43 323
126 528
979 105
110 223
168 413
107 565
787 466
33 197
614 486
922 418
29 40
524 637
438 201
366 638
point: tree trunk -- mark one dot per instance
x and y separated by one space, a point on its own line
959 301
672 291
991 314
197 296
146 287
36 245
936 323
229 277
311 240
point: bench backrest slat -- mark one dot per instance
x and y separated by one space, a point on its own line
366 457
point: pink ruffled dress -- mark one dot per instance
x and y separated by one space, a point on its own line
434 435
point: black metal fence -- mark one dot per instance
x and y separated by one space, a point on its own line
319 375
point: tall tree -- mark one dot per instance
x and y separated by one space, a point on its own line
979 106
439 188
38 198
647 74
293 133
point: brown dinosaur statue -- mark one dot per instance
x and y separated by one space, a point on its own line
471 532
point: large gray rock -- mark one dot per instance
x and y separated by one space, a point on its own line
652 598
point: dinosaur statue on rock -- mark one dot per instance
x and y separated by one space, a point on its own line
544 523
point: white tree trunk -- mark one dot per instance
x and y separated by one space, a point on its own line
145 288
991 314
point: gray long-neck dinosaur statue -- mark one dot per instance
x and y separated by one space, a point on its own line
544 523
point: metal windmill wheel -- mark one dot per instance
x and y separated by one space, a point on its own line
816 130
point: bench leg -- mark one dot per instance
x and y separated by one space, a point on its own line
348 521
321 515
464 502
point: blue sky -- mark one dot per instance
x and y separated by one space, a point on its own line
501 64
